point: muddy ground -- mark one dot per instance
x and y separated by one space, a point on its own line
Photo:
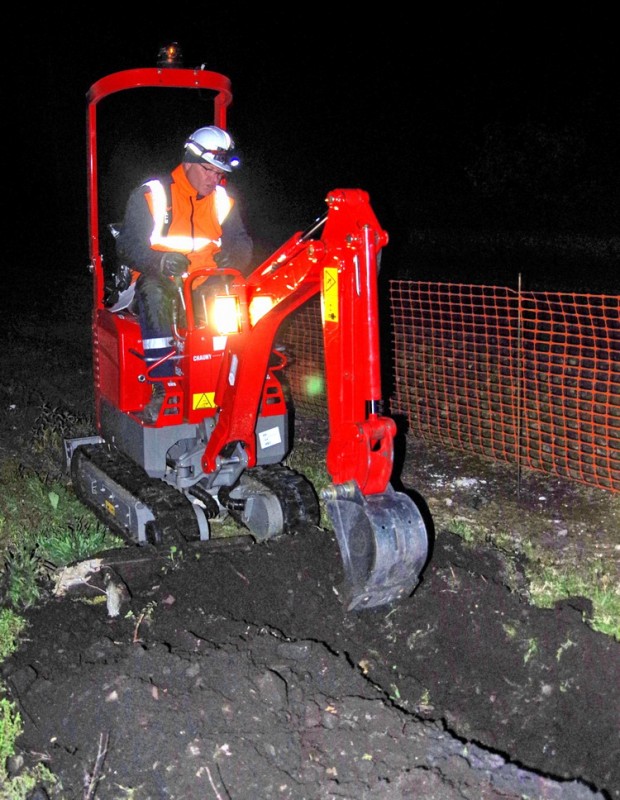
234 671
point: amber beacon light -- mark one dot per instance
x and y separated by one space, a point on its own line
170 56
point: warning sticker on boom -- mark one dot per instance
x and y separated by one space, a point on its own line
203 400
330 293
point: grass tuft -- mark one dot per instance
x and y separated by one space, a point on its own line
550 583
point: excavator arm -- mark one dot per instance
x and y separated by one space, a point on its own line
380 531
360 447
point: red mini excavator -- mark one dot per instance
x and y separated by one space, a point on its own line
221 440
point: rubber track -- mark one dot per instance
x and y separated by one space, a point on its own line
175 521
297 497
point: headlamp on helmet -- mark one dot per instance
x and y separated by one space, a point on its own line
211 145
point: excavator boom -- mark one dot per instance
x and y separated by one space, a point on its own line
381 532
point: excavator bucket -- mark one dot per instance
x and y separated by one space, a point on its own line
383 544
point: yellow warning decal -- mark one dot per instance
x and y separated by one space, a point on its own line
330 293
203 400
109 507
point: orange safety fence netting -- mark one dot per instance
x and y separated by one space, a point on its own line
529 378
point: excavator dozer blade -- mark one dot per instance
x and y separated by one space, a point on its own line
383 543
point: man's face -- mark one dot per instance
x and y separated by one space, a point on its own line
204 177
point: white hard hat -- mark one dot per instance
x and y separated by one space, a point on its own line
212 145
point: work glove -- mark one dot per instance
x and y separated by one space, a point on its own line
174 265
223 260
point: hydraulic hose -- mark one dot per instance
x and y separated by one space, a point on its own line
210 504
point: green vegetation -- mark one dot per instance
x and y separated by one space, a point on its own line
19 785
463 529
549 581
11 627
43 526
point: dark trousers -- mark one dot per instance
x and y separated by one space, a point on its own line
155 302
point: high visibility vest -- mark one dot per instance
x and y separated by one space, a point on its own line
182 223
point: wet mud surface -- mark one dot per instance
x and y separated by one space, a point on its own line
236 672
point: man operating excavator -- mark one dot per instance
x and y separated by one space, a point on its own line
173 225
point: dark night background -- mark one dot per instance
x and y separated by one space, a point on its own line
480 121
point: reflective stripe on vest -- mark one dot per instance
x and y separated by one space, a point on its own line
186 244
